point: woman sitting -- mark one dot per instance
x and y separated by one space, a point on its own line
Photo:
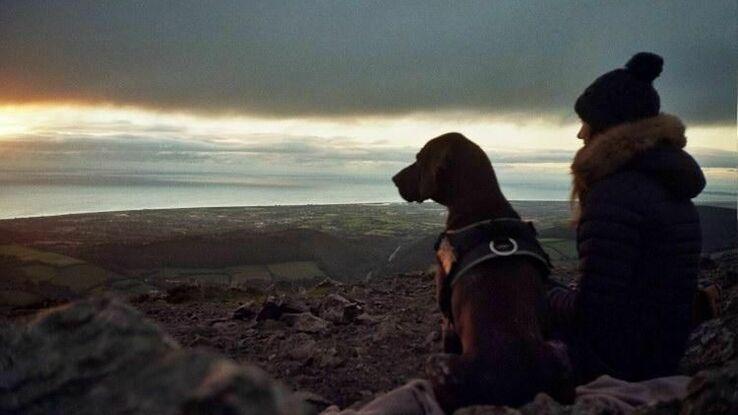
638 232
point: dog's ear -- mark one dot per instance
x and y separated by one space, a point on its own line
432 165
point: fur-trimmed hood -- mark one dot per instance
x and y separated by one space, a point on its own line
651 145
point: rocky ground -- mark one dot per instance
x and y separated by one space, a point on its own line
341 343
350 342
344 342
102 356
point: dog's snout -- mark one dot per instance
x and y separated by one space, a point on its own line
406 182
400 176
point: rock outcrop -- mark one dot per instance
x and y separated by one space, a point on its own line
100 356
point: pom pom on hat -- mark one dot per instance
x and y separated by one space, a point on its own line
645 66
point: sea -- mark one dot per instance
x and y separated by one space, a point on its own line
30 194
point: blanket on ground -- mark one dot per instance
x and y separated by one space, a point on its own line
619 396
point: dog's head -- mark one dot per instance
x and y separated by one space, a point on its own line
442 167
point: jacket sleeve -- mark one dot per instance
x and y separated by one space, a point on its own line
562 306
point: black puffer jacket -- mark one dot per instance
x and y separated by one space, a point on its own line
639 243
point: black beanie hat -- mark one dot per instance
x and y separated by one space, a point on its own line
622 95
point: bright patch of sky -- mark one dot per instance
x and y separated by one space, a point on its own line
87 137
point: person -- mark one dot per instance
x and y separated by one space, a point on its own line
638 232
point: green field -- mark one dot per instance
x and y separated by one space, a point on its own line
560 249
295 271
28 255
256 275
250 275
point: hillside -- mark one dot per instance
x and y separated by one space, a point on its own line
287 243
719 225
348 258
260 295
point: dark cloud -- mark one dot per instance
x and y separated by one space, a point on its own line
347 58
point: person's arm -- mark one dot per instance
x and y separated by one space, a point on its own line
609 235
562 305
608 243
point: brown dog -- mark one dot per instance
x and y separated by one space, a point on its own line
495 347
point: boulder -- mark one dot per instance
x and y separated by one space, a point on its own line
543 404
712 344
367 319
302 348
384 330
270 310
330 358
101 356
713 392
274 307
328 283
432 337
314 403
339 310
244 311
305 322
487 410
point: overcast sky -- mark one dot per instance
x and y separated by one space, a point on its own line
343 87
328 58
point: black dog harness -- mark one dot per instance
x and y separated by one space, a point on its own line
460 250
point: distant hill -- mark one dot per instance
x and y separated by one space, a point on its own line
561 230
344 242
338 257
416 255
719 228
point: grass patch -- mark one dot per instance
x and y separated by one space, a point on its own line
295 271
80 278
249 274
32 255
37 273
559 249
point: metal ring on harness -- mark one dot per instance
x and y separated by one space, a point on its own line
512 250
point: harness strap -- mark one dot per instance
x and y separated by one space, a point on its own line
481 242
487 257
